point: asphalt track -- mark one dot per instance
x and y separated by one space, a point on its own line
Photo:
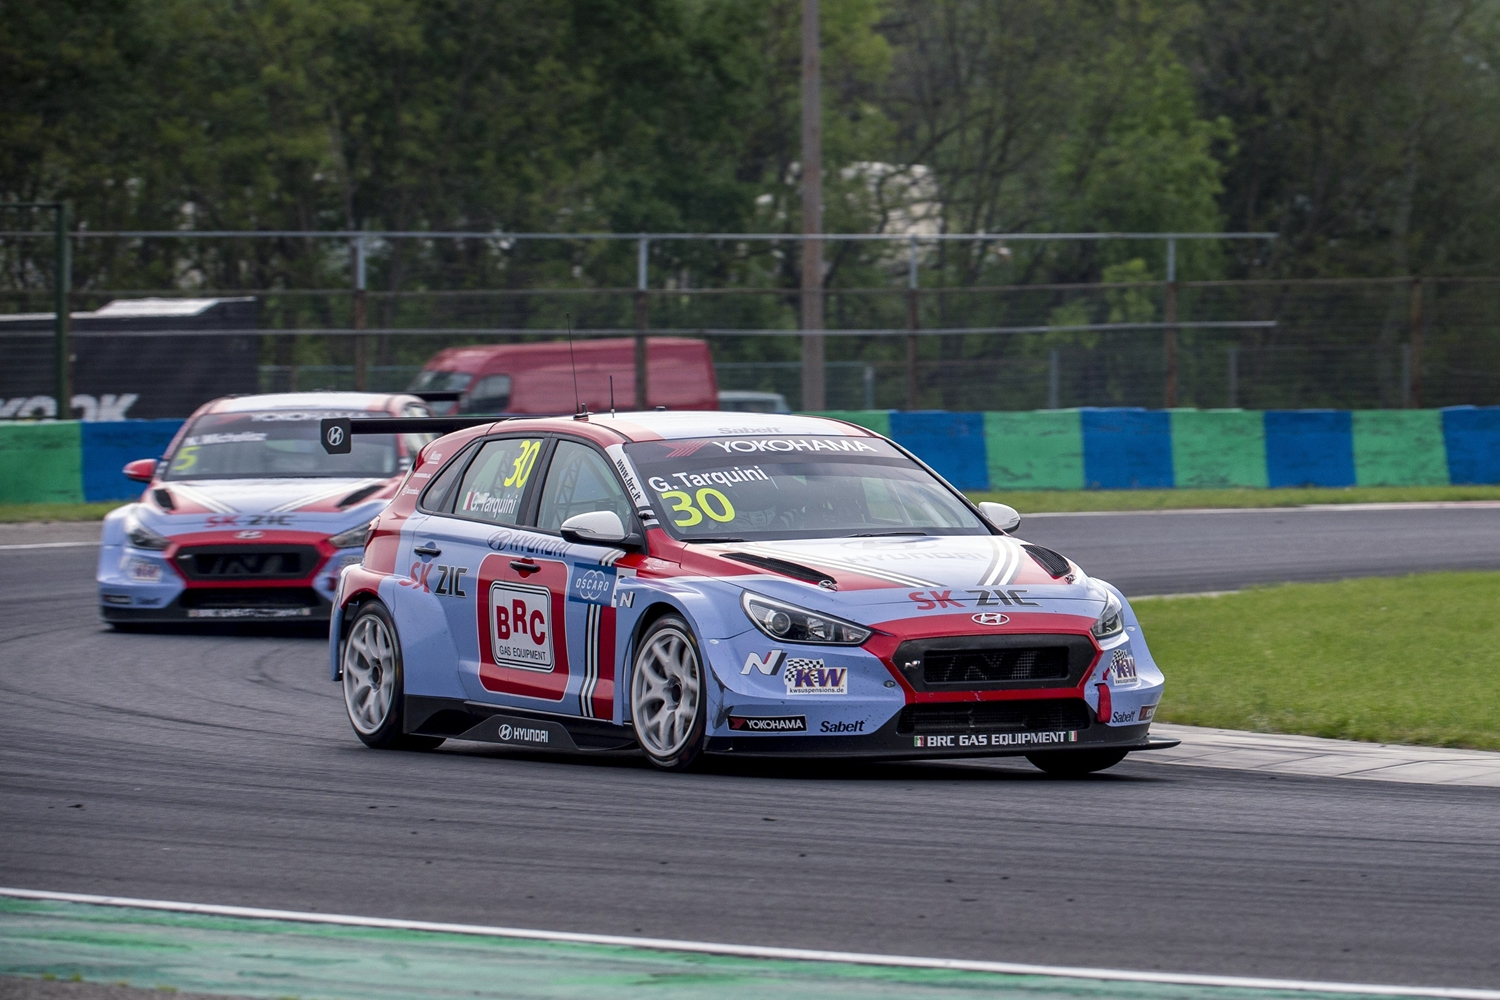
220 769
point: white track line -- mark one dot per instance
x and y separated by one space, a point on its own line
46 545
758 951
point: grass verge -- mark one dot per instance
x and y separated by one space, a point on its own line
1391 660
10 513
1053 501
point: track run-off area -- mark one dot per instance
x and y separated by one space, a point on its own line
218 768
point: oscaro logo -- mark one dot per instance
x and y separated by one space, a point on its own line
990 618
592 585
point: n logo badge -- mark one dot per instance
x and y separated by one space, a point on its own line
767 666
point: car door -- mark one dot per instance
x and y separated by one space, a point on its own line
579 479
460 551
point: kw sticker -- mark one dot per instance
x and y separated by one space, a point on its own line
803 676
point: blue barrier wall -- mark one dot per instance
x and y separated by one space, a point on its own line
107 446
1059 449
1309 448
1127 449
952 443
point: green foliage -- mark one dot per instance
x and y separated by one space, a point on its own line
1336 659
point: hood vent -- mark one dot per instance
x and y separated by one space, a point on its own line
363 493
794 570
1053 562
163 499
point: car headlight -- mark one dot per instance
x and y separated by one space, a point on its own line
789 623
142 537
354 538
1111 621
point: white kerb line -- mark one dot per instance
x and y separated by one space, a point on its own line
759 951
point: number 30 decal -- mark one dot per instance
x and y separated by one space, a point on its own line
524 463
713 503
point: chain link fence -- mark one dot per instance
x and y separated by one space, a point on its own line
1345 344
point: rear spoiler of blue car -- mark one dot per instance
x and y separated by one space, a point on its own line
337 433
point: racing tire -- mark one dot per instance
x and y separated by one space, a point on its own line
373 683
1076 763
669 695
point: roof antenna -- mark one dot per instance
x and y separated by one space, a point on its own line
611 397
579 413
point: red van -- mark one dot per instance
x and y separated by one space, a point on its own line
538 378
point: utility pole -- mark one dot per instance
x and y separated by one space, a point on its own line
642 258
361 347
61 284
1171 318
814 390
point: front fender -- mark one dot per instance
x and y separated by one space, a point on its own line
710 607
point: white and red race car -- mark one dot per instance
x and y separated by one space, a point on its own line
693 583
246 516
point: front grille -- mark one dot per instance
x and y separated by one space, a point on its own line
989 666
1037 715
248 562
250 597
1015 661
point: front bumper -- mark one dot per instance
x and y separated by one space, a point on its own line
889 743
203 605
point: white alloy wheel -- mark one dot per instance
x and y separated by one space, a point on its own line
369 674
666 694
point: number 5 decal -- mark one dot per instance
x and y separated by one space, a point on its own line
186 458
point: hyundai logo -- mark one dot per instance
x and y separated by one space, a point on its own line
991 618
335 436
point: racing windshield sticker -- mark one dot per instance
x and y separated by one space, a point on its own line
741 488
626 470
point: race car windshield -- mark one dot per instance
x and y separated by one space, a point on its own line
757 488
277 445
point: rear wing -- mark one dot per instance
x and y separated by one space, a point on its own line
337 433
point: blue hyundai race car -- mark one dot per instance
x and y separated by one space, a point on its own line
696 583
246 516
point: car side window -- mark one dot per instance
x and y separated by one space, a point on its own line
579 480
438 497
495 482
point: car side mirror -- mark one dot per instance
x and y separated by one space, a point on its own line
142 470
1002 516
596 527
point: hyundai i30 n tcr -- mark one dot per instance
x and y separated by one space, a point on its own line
246 516
693 583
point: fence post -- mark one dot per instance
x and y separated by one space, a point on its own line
1234 377
1414 390
1170 315
1054 379
361 347
61 316
642 396
913 322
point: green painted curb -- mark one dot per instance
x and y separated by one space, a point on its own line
43 463
278 959
1034 450
1399 448
1218 449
